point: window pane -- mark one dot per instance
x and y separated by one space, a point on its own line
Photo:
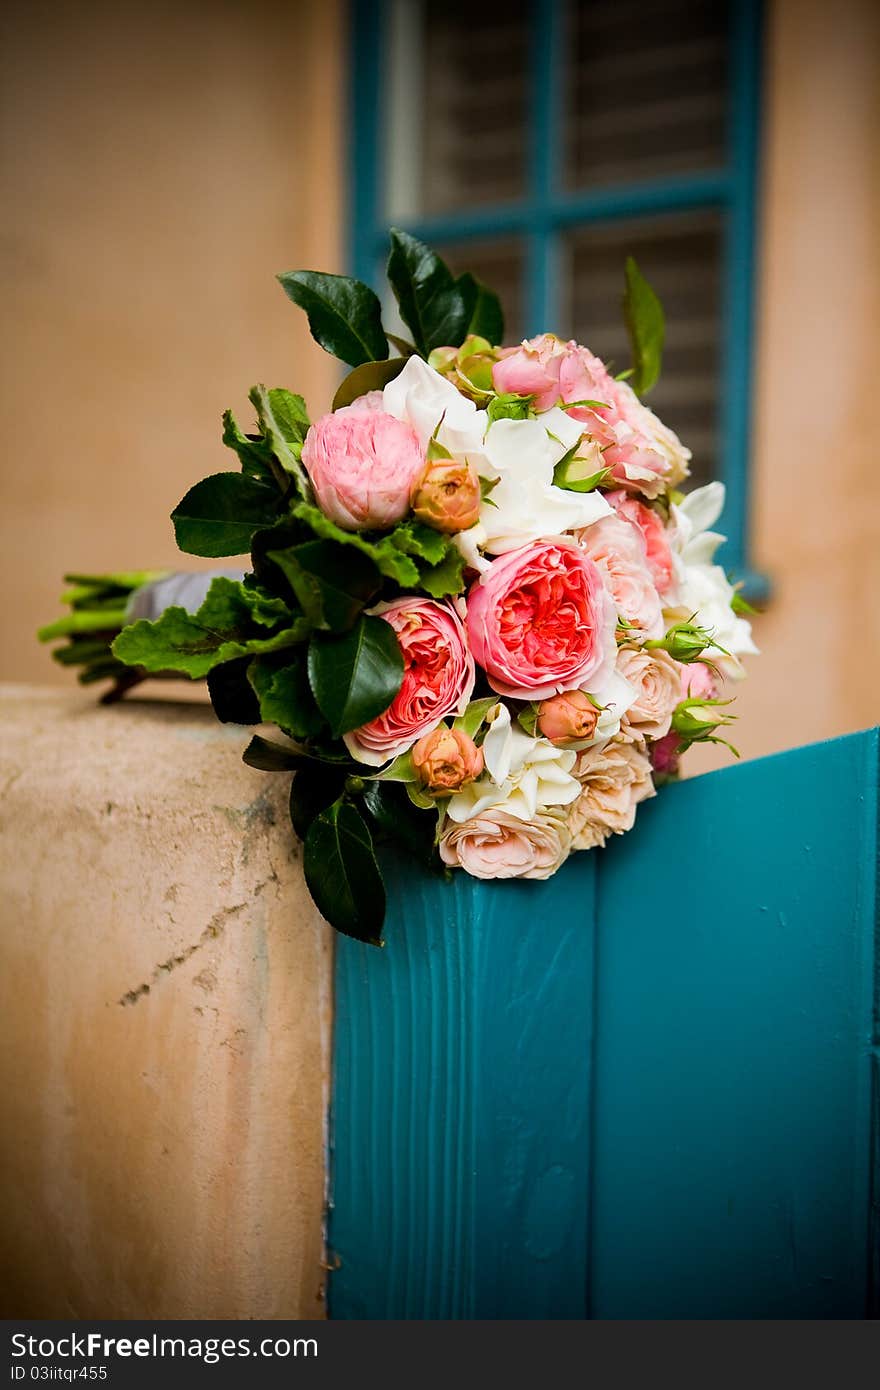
646 89
458 105
681 256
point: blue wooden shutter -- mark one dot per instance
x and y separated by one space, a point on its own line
642 1089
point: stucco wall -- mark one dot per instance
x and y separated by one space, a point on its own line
160 163
816 465
165 997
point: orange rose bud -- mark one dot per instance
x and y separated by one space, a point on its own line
445 759
448 496
568 717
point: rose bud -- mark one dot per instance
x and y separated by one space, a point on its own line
448 496
567 717
446 759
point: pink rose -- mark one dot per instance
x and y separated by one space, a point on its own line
496 844
438 679
532 369
447 759
643 454
618 551
649 525
698 681
362 464
370 400
665 755
539 620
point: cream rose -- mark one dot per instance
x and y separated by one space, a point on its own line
613 779
496 844
523 775
656 680
618 551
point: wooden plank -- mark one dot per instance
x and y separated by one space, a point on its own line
721 1164
461 1105
735 1028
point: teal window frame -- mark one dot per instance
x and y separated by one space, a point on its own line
548 210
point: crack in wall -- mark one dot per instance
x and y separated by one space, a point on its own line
212 931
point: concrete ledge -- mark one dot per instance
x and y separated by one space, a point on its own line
165 993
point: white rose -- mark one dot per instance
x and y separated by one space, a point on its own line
700 587
431 404
523 775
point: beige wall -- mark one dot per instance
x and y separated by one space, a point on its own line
161 162
816 467
165 997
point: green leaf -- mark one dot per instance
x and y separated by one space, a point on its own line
445 578
371 376
394 813
565 476
231 694
436 308
404 347
344 315
401 770
227 625
281 434
342 873
331 585
84 620
740 606
508 406
285 697
487 316
388 558
646 325
253 452
313 790
476 712
355 677
289 413
414 538
221 513
267 756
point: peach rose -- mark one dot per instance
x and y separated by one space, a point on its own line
496 844
447 759
649 524
614 779
566 717
618 551
447 496
656 679
539 620
438 679
362 464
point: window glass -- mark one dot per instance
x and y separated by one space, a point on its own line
681 256
458 108
645 85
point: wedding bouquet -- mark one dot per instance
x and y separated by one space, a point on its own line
480 609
